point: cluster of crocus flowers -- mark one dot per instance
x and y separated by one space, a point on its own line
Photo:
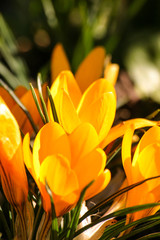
67 154
144 164
67 163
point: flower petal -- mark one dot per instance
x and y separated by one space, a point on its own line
28 159
59 61
99 185
120 129
50 140
111 73
61 179
126 153
89 167
91 68
66 81
150 137
67 113
82 141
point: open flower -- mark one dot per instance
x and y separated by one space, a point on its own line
91 68
25 96
145 164
97 105
12 170
68 163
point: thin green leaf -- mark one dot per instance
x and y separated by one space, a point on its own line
146 226
76 213
37 103
148 222
109 199
116 214
20 104
41 97
55 228
149 236
53 108
114 153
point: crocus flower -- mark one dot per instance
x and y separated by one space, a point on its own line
145 164
25 96
97 105
67 163
91 68
12 170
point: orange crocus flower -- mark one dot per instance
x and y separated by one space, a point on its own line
26 98
97 105
145 164
68 163
91 68
12 170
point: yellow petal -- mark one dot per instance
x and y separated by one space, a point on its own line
61 179
148 165
59 61
99 185
94 163
28 159
50 140
14 180
126 153
10 137
94 92
67 113
120 129
82 141
101 114
111 73
66 81
91 68
150 137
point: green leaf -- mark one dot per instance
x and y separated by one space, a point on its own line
53 108
37 103
39 81
76 213
55 228
116 214
109 199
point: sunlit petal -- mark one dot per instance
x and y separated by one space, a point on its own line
49 141
67 113
95 162
99 185
60 177
120 129
111 72
82 141
91 68
59 61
